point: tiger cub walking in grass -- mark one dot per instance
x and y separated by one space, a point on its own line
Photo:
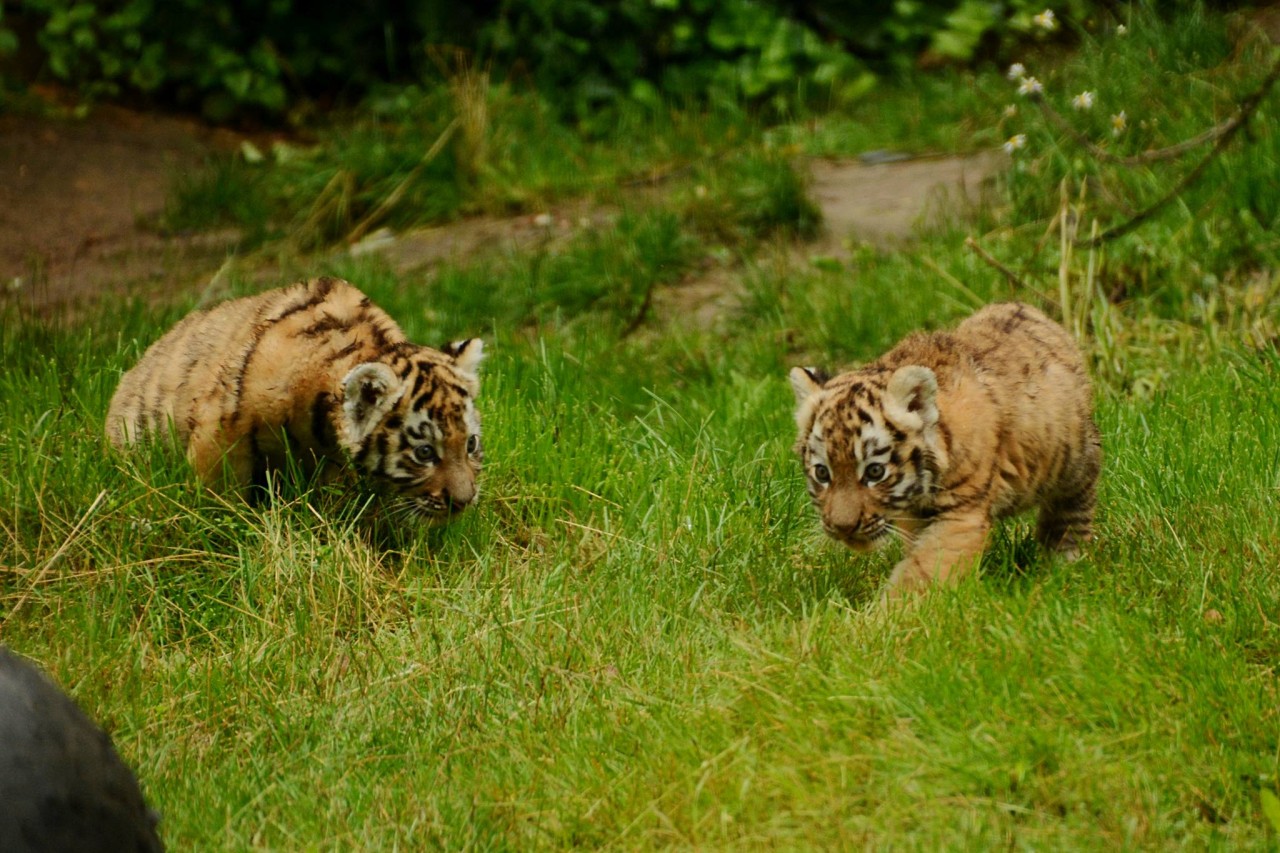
317 371
949 431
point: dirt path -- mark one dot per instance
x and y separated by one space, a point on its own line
80 203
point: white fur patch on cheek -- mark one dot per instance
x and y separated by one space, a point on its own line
903 487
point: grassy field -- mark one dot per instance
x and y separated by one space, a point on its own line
639 637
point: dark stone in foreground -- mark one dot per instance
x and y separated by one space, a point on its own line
62 785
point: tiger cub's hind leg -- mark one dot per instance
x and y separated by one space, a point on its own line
230 468
1066 521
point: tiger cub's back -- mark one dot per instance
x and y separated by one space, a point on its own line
313 374
1034 375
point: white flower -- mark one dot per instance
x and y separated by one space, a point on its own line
1017 71
1046 21
250 152
543 220
1083 101
1011 110
1013 143
1122 30
1030 86
1119 122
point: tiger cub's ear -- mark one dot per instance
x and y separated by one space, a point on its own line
913 395
368 393
805 382
467 355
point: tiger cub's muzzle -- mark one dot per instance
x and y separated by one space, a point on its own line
442 501
860 531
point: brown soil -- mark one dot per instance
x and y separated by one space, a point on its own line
884 203
81 202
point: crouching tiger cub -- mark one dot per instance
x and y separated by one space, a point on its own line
947 432
318 371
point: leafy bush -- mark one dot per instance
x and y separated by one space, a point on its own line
897 33
738 50
236 57
1133 126
231 56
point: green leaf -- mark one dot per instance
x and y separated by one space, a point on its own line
644 92
1271 807
723 37
58 65
856 88
82 13
238 81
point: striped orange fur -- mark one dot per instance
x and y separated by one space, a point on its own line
315 370
948 432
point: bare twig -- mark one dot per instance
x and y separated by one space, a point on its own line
976 247
975 301
1227 128
638 318
393 198
1150 156
1231 127
1091 271
1067 238
57 555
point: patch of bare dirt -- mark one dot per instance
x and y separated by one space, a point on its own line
422 248
881 204
80 201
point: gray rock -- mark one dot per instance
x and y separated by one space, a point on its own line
63 787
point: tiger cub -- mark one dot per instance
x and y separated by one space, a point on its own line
318 371
949 431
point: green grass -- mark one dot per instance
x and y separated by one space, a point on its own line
639 638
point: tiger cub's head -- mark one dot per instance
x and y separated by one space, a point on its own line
869 443
410 421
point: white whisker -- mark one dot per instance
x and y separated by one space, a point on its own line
903 535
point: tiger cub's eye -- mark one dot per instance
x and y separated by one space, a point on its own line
821 473
873 473
473 443
425 454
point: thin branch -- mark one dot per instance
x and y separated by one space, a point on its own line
1067 227
991 261
1151 156
1247 108
57 555
393 198
1227 128
638 318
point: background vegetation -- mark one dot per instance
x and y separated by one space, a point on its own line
639 637
232 58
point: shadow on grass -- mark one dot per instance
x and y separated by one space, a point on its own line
1014 561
